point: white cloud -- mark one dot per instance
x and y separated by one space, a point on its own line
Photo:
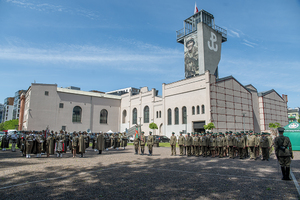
139 57
233 33
249 45
45 7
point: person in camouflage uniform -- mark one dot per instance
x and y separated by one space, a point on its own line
284 153
181 142
264 145
142 143
173 140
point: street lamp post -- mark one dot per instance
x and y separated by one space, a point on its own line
244 114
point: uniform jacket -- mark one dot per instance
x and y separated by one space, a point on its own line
181 140
173 140
283 147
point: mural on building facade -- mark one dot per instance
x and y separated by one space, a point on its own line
191 56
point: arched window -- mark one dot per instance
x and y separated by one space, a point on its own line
176 116
169 116
156 114
198 109
124 115
184 115
146 114
159 114
193 110
203 109
103 116
134 116
76 114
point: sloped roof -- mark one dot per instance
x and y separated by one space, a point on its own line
292 127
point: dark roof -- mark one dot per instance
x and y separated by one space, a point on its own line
250 85
261 94
230 77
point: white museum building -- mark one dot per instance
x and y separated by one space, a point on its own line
185 105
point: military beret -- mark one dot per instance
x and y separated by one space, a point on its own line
250 131
188 133
242 131
230 131
280 129
173 133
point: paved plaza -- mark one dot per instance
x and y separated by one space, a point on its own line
119 174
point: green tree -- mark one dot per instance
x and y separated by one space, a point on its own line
2 127
11 124
153 126
273 127
299 120
209 126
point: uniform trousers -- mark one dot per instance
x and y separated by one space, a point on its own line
252 152
181 149
188 149
220 152
265 153
142 149
173 150
231 151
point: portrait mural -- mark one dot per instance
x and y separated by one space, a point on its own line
191 56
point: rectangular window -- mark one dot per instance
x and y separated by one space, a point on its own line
61 105
46 93
63 128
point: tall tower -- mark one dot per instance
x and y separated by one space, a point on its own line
202 41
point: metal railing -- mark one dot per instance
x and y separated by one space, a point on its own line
183 32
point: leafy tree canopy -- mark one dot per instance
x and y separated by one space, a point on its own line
153 126
274 125
11 124
209 126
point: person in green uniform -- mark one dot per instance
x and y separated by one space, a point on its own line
225 143
197 144
136 142
5 142
189 142
230 144
212 145
241 145
220 144
100 143
270 143
204 144
74 144
29 144
257 149
251 143
124 140
142 142
173 140
181 142
264 145
81 144
150 142
284 153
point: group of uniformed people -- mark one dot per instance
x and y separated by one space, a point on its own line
142 141
240 144
41 142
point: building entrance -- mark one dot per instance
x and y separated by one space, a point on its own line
198 127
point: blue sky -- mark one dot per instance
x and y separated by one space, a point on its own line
108 45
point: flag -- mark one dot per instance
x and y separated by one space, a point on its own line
136 133
196 9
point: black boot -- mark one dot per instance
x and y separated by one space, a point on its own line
287 174
283 173
100 152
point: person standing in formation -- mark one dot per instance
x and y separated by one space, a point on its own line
81 144
5 142
14 138
189 142
142 143
124 141
181 142
284 153
74 144
173 144
150 142
100 143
